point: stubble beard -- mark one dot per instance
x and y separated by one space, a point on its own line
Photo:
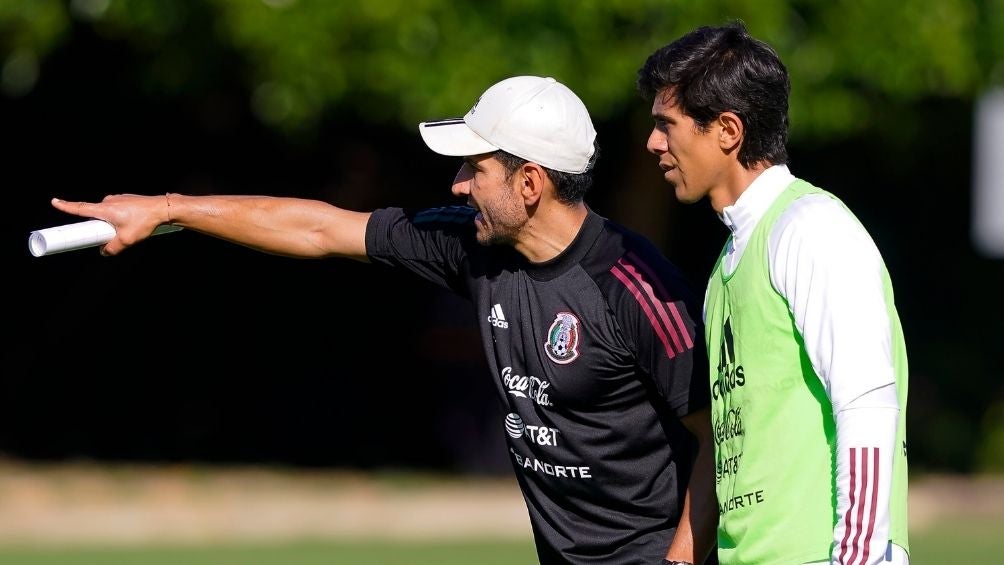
494 236
503 229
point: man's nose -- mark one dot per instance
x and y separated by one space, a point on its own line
656 142
462 180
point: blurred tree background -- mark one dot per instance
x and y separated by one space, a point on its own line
188 348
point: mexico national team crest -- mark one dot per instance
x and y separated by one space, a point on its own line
562 345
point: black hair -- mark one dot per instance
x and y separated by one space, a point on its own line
571 188
712 70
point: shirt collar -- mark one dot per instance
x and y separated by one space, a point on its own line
753 203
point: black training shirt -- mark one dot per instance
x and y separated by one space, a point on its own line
595 355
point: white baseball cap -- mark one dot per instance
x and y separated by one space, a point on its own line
535 118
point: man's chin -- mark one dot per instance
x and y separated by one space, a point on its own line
488 238
684 197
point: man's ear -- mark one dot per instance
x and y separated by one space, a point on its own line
731 131
532 179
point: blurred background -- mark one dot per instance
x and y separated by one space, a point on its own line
187 351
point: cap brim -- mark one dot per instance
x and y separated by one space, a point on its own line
453 137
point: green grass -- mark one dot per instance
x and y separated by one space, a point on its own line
963 542
966 542
312 553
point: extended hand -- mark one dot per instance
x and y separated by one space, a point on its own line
133 216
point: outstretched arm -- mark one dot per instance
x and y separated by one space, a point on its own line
696 534
293 227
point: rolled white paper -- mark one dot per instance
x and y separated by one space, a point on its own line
80 235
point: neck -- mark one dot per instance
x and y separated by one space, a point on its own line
550 230
734 184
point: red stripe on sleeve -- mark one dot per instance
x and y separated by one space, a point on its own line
860 517
859 522
660 308
873 506
663 292
847 517
679 324
626 280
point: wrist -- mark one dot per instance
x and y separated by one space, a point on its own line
168 214
675 562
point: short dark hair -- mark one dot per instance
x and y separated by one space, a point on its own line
571 188
712 70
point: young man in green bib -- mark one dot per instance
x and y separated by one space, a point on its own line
808 362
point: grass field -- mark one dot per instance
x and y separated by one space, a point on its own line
355 553
955 543
100 515
959 542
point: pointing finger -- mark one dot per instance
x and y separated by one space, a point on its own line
85 209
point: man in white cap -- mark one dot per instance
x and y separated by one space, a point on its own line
592 337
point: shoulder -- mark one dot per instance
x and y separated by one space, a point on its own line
431 234
446 217
818 229
456 220
821 220
626 262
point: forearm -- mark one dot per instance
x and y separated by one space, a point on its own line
293 227
696 534
283 226
866 437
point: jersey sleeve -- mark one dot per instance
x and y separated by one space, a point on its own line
429 243
824 263
828 269
866 442
661 323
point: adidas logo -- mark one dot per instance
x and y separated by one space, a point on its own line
497 318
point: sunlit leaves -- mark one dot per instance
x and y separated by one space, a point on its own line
402 61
